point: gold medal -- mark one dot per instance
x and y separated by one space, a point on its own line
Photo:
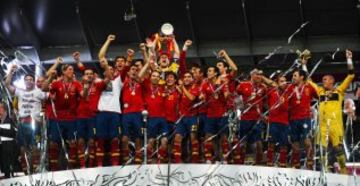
66 96
133 93
216 96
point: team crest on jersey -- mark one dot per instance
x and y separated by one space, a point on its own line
282 99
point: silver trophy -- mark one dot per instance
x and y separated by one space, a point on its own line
167 29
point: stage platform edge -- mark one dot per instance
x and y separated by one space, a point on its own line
182 174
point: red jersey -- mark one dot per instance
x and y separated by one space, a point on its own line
229 81
88 105
278 102
202 108
253 98
154 99
49 108
300 101
132 96
185 105
216 103
66 99
123 72
171 105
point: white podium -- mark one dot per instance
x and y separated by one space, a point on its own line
183 174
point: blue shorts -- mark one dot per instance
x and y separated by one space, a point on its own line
171 128
132 125
186 126
28 135
157 126
216 125
85 128
107 125
279 133
299 129
57 129
251 129
202 121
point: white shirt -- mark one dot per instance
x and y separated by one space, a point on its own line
110 97
29 103
5 126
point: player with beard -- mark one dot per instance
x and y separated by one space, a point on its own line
108 122
86 115
133 105
214 93
252 92
172 100
29 105
122 64
300 120
188 124
198 76
278 105
65 94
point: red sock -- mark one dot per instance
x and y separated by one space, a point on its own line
81 154
177 152
115 152
225 149
236 152
72 155
270 155
99 152
138 157
163 155
92 153
295 159
283 157
149 155
53 157
195 152
208 151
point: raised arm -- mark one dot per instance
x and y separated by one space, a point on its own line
351 74
229 61
304 61
182 59
48 81
144 69
58 62
105 46
9 78
104 64
76 56
269 82
142 47
176 49
130 55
